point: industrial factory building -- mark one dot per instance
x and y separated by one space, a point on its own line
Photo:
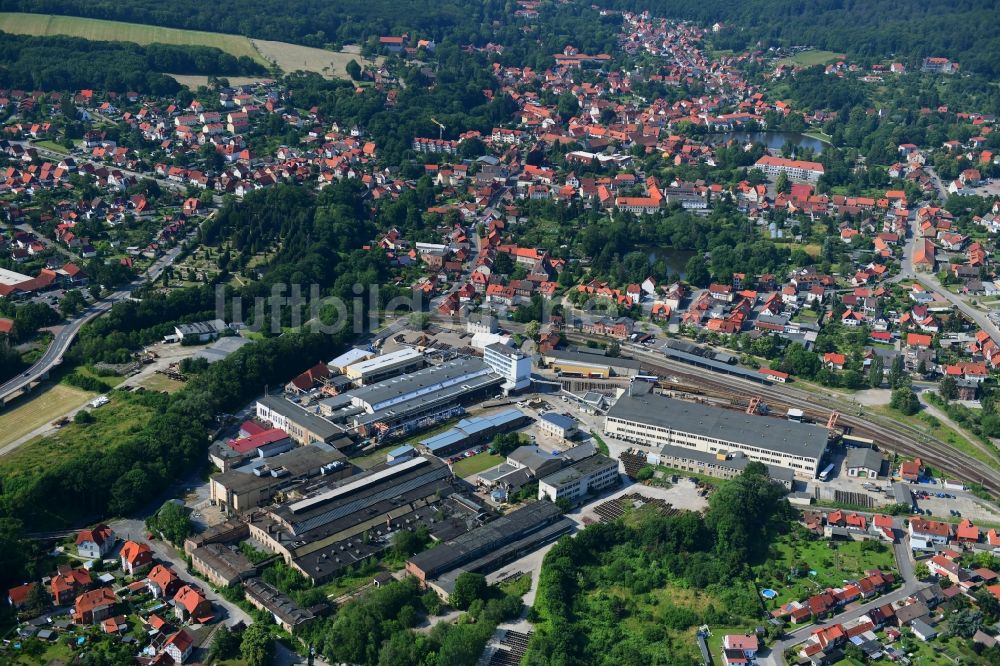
328 526
645 418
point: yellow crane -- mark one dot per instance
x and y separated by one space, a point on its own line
441 128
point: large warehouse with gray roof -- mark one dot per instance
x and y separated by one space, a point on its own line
654 420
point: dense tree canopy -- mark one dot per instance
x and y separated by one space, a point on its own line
71 63
582 621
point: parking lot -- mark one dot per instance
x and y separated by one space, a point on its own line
956 504
951 506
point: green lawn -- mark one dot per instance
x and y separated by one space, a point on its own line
819 135
377 456
158 382
811 57
475 464
648 609
935 428
38 652
53 146
44 25
40 409
812 249
602 447
112 423
110 380
833 561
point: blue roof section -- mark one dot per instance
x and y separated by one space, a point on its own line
443 440
560 421
401 451
470 427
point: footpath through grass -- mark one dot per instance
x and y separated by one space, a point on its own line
38 410
123 416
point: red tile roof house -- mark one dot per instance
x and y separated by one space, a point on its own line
114 625
96 542
308 379
136 557
882 525
834 360
68 583
94 606
179 646
737 649
926 534
17 596
967 532
911 470
162 582
943 567
191 605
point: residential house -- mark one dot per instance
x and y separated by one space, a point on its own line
928 534
68 583
739 649
95 543
135 557
162 582
911 470
179 646
191 605
94 606
17 597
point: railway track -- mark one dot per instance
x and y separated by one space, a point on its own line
891 436
895 438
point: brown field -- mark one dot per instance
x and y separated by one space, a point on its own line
292 57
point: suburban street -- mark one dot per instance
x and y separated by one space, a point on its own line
930 282
65 336
904 562
163 552
82 159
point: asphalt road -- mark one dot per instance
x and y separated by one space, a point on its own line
81 158
911 585
64 338
930 282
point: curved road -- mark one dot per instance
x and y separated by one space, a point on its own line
64 338
930 282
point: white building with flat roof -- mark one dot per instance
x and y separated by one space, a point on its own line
511 364
382 367
576 481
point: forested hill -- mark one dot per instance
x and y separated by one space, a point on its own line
964 30
310 22
71 63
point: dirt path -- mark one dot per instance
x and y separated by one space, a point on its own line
937 413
